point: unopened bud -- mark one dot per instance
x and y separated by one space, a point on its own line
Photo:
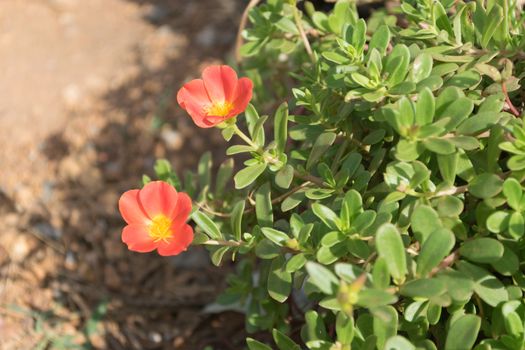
292 243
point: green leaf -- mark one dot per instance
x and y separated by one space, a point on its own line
278 237
516 225
459 285
482 250
237 149
216 257
228 133
252 120
425 107
204 170
458 110
248 175
478 123
284 177
423 288
485 185
465 80
397 65
256 345
314 328
424 221
363 221
463 333
516 162
439 146
498 221
449 206
322 278
344 328
398 343
488 287
164 172
279 280
258 131
206 224
295 263
224 175
145 180
494 18
372 298
236 219
323 142
406 112
263 206
408 150
441 18
385 324
390 247
513 192
347 272
281 127
327 216
283 342
293 201
380 40
448 167
436 247
508 264
266 249
352 205
421 67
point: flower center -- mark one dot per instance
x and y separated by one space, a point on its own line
219 109
160 228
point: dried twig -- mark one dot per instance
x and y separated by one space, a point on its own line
242 25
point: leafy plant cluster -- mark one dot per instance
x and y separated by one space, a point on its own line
382 207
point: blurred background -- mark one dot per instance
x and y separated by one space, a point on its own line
86 106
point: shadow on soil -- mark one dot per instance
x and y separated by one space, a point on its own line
126 300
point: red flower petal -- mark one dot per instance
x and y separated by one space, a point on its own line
137 238
194 91
182 211
243 95
198 115
220 82
180 242
131 209
158 197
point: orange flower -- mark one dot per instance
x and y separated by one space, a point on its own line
156 216
217 97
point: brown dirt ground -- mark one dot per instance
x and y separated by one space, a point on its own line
86 105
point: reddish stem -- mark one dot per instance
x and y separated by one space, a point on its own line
509 102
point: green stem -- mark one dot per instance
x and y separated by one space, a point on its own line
223 243
245 137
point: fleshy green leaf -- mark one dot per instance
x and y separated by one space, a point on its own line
436 247
236 219
263 206
248 175
390 247
463 333
281 127
482 250
279 280
322 278
206 224
485 185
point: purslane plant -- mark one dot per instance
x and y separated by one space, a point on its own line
382 206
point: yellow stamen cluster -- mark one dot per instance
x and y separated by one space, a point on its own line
219 109
160 229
